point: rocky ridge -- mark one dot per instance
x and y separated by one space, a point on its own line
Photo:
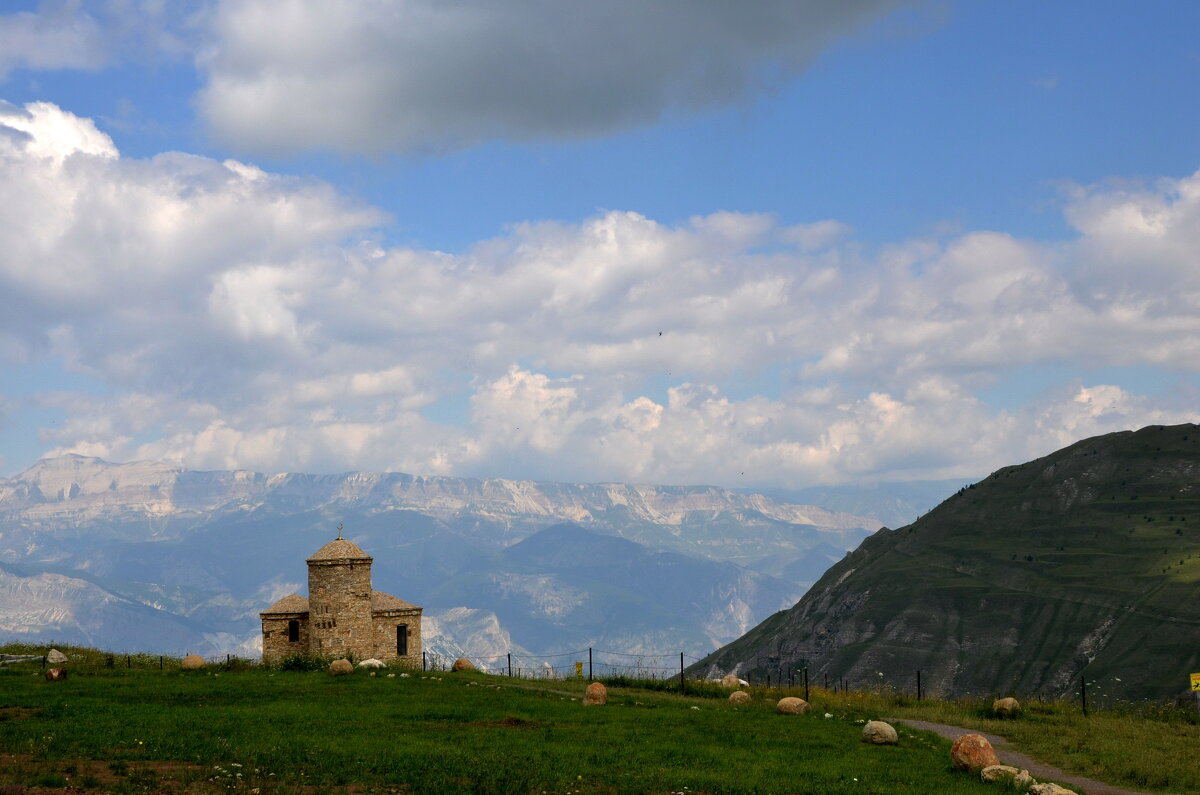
1085 562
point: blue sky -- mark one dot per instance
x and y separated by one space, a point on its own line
882 241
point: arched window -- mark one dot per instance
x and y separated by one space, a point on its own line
402 640
293 631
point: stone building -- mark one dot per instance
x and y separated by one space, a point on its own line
342 615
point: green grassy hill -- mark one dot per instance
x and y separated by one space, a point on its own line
262 731
1084 562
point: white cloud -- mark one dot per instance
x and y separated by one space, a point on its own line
375 75
60 36
237 318
93 34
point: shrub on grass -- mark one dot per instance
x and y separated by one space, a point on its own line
303 662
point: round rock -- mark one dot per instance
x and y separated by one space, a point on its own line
791 705
56 674
972 752
372 663
1006 707
739 697
192 662
596 695
1050 789
879 733
730 680
56 657
341 667
463 664
998 774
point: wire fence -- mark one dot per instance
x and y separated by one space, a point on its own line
590 662
606 664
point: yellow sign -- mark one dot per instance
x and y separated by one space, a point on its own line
1196 682
579 672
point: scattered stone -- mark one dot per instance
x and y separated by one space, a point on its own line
998 774
791 705
595 695
391 676
341 667
463 664
56 657
730 680
1050 789
1023 781
56 674
879 733
192 662
739 697
972 752
1006 707
372 663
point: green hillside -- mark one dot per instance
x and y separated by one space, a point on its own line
287 732
1084 562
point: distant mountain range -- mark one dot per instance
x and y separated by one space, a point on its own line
147 556
1083 563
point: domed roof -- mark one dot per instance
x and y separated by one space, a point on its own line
339 549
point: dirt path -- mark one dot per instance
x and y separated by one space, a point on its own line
1008 756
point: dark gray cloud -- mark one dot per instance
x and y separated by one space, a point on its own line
376 75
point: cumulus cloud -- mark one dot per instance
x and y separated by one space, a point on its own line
238 318
375 75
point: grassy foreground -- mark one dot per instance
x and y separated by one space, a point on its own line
240 728
274 731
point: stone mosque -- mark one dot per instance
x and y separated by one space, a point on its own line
342 615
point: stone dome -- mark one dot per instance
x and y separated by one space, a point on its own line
339 549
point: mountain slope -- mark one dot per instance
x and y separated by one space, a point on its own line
213 548
1086 561
567 587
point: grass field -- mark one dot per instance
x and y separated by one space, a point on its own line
145 730
239 728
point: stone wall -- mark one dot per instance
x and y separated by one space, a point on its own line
275 636
386 622
339 608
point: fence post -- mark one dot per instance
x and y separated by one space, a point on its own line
424 664
510 663
918 684
682 686
768 681
589 663
228 659
44 656
160 662
806 683
128 661
1083 692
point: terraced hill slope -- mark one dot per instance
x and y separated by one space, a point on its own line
1086 561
